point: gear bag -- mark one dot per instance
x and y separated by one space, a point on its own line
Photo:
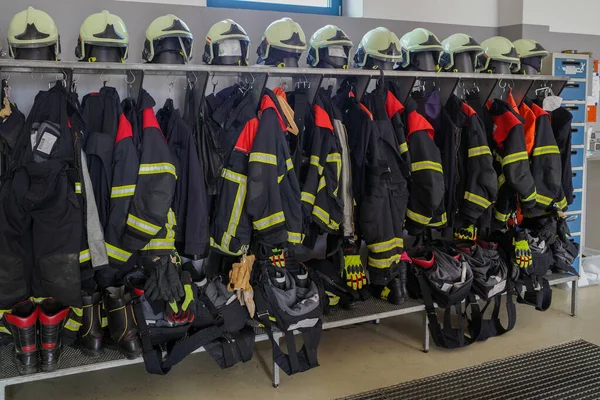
288 300
325 274
177 328
446 280
492 278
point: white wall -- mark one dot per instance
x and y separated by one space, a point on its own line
458 12
510 12
575 16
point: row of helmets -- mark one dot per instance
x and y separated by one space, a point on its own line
104 37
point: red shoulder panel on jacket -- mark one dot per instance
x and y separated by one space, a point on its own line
149 121
538 111
246 138
124 131
267 103
423 263
392 105
504 124
322 119
467 109
416 122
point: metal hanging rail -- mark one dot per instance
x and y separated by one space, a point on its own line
488 84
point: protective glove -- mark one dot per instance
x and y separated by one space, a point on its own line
468 233
277 258
239 282
173 290
156 280
183 313
163 282
353 268
523 256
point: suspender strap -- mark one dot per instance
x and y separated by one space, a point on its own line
537 293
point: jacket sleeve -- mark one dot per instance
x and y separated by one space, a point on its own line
481 186
561 126
155 187
264 169
427 176
196 214
546 166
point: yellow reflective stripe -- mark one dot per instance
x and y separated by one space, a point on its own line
160 244
264 158
334 157
476 199
280 178
289 164
294 237
104 322
78 187
4 330
423 220
543 200
501 180
213 243
422 165
37 300
77 311
325 218
563 203
511 158
322 184
443 221
403 148
501 217
479 151
122 191
142 225
236 214
383 263
72 325
269 221
117 253
316 161
531 197
158 168
84 256
539 151
233 176
386 246
308 198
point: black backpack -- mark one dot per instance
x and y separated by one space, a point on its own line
288 300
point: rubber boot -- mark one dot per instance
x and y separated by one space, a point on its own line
402 271
392 292
90 333
52 320
22 324
121 322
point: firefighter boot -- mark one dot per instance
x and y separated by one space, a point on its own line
392 292
402 271
121 322
52 321
90 334
22 324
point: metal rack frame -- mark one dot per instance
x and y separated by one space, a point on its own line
489 85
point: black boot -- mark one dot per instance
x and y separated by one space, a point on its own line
22 324
402 271
392 292
90 333
121 322
52 320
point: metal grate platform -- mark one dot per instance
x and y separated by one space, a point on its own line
370 310
566 371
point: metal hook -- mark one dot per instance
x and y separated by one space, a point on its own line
7 78
172 82
132 75
190 82
104 81
214 83
36 80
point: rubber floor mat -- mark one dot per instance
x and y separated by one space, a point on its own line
565 371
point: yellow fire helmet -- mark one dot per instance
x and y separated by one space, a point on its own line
31 29
530 53
227 43
329 44
501 49
284 35
380 44
168 26
455 44
419 40
102 29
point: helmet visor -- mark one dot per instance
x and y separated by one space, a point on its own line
230 48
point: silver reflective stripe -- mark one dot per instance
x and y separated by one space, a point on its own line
157 168
142 225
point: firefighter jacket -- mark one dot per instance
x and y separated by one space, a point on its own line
381 192
230 227
511 161
150 222
426 173
190 201
469 176
545 162
322 192
561 126
273 200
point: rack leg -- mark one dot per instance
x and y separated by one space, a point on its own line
275 367
426 339
3 392
574 292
